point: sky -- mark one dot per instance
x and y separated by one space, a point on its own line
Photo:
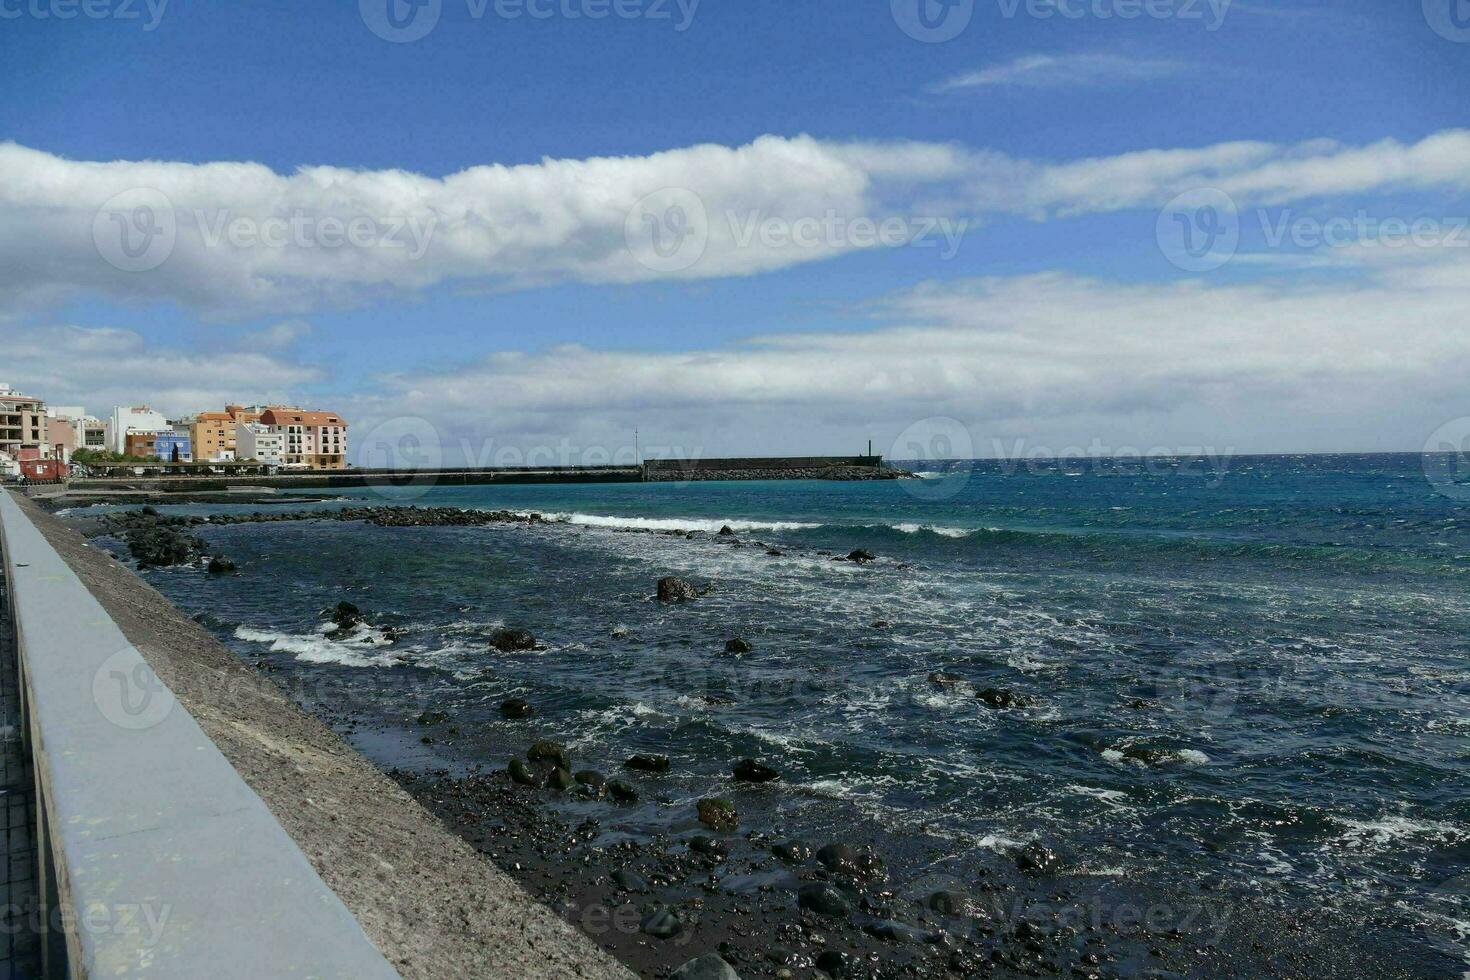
516 231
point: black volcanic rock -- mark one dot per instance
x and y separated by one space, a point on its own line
750 771
513 640
671 589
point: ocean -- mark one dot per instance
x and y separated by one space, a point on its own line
1250 675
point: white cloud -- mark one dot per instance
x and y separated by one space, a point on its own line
100 367
250 240
1369 361
278 336
1063 71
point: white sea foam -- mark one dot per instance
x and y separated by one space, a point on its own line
359 650
675 523
947 532
1113 797
1386 830
1183 757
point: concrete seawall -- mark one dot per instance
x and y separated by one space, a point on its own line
263 845
189 479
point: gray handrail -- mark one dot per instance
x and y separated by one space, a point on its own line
162 863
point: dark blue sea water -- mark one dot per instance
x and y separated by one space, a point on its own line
1253 672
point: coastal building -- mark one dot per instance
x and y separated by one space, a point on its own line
22 422
69 428
314 440
215 435
260 443
137 418
173 446
142 444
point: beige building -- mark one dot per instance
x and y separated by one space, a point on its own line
314 440
22 422
215 435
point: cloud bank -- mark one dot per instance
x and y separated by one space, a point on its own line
231 239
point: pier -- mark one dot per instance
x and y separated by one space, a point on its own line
197 478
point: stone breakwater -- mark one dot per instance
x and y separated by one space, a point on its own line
844 473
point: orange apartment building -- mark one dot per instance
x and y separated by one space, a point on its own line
316 440
213 434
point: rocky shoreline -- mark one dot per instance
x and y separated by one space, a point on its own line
721 892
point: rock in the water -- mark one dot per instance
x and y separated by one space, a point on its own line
629 881
517 708
861 555
944 678
880 624
1002 698
842 859
710 967
219 565
662 924
154 545
433 718
718 813
647 763
834 963
559 779
737 645
823 899
676 590
950 903
346 615
708 846
726 531
895 931
522 774
549 753
1036 858
750 771
622 792
792 852
513 640
590 777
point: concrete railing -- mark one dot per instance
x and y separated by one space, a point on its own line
157 859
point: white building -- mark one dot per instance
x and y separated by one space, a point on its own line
261 443
139 418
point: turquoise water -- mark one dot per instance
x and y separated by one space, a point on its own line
1254 672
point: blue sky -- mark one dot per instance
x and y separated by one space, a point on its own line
1353 87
